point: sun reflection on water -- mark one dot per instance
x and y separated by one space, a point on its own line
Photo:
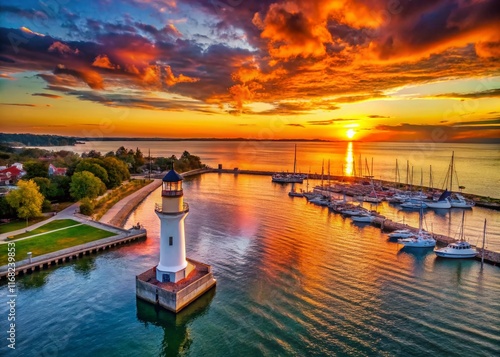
349 160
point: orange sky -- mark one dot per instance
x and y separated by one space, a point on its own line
425 70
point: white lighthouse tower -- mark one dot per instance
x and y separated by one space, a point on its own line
176 281
173 265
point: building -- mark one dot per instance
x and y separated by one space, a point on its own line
10 175
57 171
176 281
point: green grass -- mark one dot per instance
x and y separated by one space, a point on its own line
51 242
57 224
19 224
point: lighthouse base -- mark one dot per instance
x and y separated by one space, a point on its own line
175 296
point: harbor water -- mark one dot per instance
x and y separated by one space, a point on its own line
293 279
477 166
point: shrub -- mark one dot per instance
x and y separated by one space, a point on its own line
87 206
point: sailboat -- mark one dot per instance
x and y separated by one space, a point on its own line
289 178
460 249
420 240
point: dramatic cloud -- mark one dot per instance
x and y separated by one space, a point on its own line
293 57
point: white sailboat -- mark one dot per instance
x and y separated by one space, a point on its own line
421 239
460 249
289 178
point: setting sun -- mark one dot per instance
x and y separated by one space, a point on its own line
350 133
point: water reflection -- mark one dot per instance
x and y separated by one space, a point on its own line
349 160
176 335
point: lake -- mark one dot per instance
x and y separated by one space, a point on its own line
293 279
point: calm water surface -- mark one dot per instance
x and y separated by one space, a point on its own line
292 280
477 165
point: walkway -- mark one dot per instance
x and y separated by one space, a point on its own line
67 213
118 214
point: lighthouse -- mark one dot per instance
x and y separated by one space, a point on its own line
172 212
177 280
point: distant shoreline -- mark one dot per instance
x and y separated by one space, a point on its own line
75 140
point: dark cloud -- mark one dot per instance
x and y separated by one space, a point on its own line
475 95
53 96
375 116
296 125
329 121
19 104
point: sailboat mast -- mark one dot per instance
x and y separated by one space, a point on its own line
328 172
431 184
371 171
462 227
396 173
451 169
295 159
322 172
360 167
407 172
484 239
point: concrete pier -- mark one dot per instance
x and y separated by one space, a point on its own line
65 255
175 296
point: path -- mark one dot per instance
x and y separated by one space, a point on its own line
117 214
67 213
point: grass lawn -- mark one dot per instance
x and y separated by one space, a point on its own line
51 242
57 224
19 224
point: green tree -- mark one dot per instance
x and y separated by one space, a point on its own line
85 184
117 171
138 160
26 199
93 166
36 169
6 210
59 188
87 206
43 184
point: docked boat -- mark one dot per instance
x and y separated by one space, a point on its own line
458 250
459 201
412 204
287 177
364 217
442 202
421 239
401 233
294 193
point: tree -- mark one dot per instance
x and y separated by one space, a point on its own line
43 184
36 169
92 165
117 171
85 184
26 199
59 188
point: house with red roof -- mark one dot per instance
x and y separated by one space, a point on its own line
10 175
57 171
